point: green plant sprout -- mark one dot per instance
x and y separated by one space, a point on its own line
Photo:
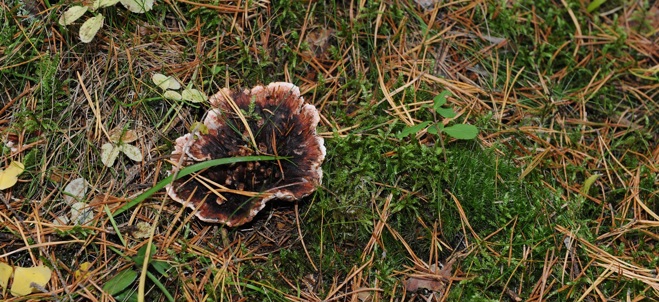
90 27
436 127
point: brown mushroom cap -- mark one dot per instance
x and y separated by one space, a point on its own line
281 124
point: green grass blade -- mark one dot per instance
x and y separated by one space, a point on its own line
187 171
114 225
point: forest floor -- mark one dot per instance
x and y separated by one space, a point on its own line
556 199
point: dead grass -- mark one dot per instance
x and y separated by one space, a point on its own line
560 111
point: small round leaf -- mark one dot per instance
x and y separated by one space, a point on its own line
89 29
194 95
75 190
131 151
172 95
103 3
109 153
138 6
72 14
81 213
165 82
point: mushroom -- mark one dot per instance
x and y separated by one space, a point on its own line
272 120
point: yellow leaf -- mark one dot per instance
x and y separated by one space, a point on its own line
9 176
25 276
89 29
5 274
15 168
588 183
83 270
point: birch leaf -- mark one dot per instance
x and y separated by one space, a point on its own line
138 6
132 152
142 230
172 95
9 176
25 276
75 190
61 220
81 213
5 273
165 82
83 270
72 14
109 153
89 29
194 95
103 3
129 136
118 135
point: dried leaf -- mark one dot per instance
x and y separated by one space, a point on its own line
434 281
25 276
61 220
129 136
89 29
194 95
414 284
426 4
172 95
109 153
364 295
165 82
138 6
143 230
72 14
9 176
103 3
118 135
75 190
81 213
132 152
